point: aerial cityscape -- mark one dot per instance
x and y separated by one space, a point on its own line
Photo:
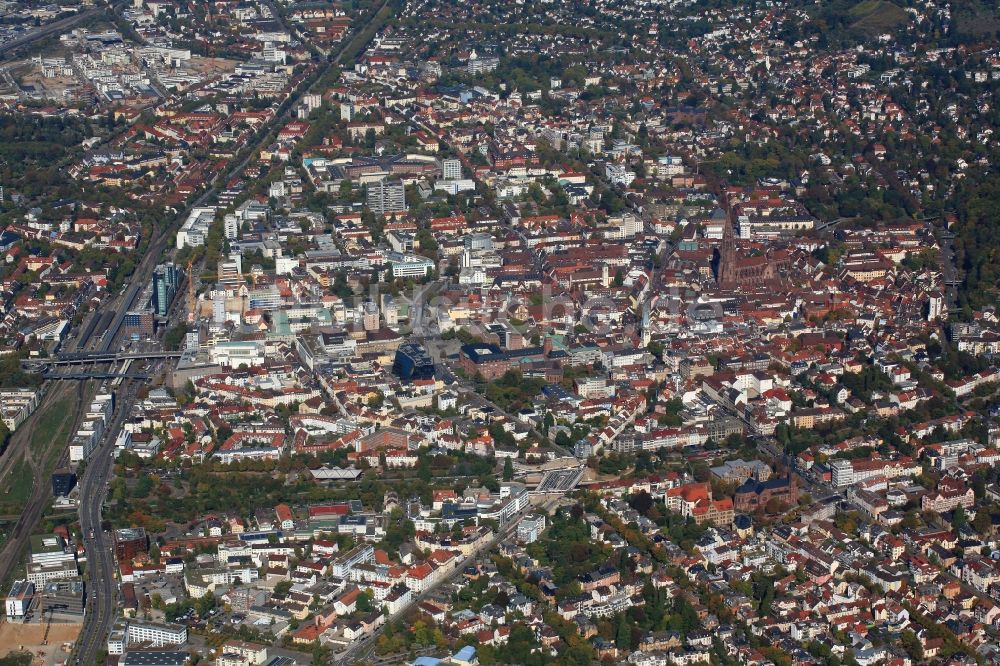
530 332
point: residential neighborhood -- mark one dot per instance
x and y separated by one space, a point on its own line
433 333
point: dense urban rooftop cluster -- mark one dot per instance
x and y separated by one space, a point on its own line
442 332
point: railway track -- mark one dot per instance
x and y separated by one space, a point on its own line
13 549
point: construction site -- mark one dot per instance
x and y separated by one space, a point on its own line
44 621
48 641
28 639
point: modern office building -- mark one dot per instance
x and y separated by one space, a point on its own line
51 559
50 549
166 279
413 362
195 228
63 482
231 226
530 528
19 598
478 242
361 554
126 635
408 265
156 634
118 639
155 658
65 597
42 573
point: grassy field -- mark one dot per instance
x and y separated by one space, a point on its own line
877 15
53 430
49 438
18 488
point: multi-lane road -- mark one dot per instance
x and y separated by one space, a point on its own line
98 543
21 442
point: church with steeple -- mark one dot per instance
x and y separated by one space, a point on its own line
737 272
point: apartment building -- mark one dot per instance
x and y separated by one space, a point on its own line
849 472
358 555
384 197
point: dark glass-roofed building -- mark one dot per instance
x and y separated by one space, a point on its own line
155 658
63 482
413 362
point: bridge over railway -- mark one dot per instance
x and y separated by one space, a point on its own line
83 376
89 358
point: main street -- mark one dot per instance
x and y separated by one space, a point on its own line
101 591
